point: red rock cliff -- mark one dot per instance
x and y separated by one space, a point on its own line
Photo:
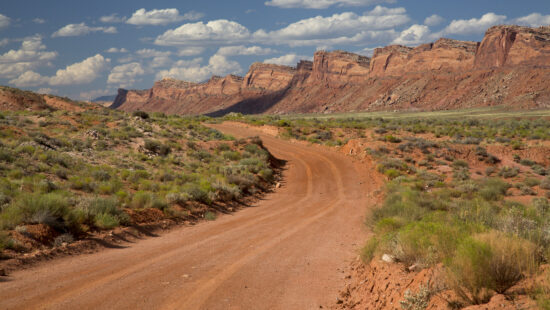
511 66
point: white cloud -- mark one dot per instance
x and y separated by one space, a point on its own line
78 73
322 4
73 30
113 18
190 51
474 25
433 20
149 53
116 50
343 28
287 60
28 79
46 91
125 75
414 35
160 61
161 17
194 72
39 21
81 72
214 32
4 21
533 20
243 50
32 54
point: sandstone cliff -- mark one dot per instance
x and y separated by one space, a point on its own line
511 67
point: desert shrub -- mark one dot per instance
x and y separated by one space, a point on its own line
460 164
508 172
197 193
5 241
531 182
141 114
210 216
419 300
101 175
243 181
392 139
231 155
51 209
175 198
527 162
540 170
225 191
489 262
461 174
63 238
85 184
493 189
157 147
545 183
266 174
426 243
368 251
106 221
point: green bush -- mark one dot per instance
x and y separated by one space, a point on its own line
106 221
490 262
508 172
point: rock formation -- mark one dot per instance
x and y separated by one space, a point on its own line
511 67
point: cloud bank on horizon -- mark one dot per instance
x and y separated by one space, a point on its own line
91 56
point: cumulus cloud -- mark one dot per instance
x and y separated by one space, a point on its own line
32 54
82 72
73 30
322 4
113 18
190 51
4 21
433 20
214 32
46 91
287 60
194 72
125 75
39 21
533 20
474 25
149 53
79 73
116 50
243 50
142 17
414 35
28 79
343 28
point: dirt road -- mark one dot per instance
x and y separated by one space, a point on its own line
287 252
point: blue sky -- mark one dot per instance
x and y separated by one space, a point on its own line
88 49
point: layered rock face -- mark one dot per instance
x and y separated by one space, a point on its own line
511 66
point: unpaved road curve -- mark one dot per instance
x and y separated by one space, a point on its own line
285 253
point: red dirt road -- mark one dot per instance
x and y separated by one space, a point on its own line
287 252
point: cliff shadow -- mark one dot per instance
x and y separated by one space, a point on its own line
256 105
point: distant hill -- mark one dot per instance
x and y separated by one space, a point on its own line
510 67
14 99
109 98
